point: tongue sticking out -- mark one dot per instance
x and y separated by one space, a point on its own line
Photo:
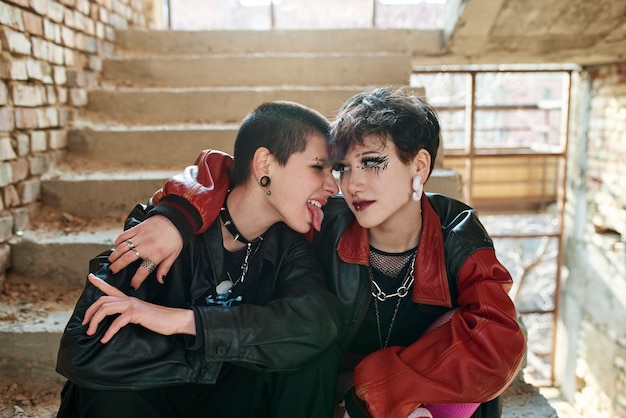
317 216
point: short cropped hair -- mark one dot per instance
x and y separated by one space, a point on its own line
389 113
282 127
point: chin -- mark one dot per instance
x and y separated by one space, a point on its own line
301 228
365 222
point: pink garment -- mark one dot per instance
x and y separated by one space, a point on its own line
450 410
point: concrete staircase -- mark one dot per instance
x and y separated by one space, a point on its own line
164 97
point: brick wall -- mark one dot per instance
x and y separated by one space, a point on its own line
591 337
606 160
50 54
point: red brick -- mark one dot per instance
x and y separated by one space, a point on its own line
3 93
10 197
29 191
19 168
25 118
33 23
57 139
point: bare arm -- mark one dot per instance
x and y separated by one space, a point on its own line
160 319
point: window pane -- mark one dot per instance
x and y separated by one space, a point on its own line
418 15
452 129
522 128
305 14
519 88
447 92
442 89
323 14
218 14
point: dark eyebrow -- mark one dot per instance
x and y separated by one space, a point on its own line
363 154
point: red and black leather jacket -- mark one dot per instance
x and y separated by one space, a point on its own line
472 357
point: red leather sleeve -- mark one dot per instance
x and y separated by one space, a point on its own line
204 185
471 358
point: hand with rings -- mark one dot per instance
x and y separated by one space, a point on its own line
156 241
131 246
146 263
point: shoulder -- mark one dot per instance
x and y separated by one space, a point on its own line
459 222
280 240
336 212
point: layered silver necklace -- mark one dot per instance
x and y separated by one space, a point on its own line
227 285
400 293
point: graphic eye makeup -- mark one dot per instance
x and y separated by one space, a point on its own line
375 163
372 163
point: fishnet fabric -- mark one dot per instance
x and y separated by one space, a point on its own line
389 264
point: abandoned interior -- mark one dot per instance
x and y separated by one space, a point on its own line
532 101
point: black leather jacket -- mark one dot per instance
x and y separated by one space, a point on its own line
456 271
290 318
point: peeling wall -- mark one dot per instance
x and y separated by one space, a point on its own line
591 335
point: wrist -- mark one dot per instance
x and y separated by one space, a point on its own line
180 213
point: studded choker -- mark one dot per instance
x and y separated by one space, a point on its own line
230 226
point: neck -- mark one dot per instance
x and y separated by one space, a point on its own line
246 211
401 232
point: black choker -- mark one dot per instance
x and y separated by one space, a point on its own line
230 226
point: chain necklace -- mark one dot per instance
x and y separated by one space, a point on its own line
400 293
229 284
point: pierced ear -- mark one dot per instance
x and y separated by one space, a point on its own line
262 162
422 163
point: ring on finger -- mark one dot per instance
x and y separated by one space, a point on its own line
130 244
136 253
148 265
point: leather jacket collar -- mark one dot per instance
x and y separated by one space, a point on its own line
431 280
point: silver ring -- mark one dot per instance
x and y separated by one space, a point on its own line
136 253
148 265
130 244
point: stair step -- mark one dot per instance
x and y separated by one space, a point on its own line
101 194
58 253
32 318
202 105
260 70
146 42
146 147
